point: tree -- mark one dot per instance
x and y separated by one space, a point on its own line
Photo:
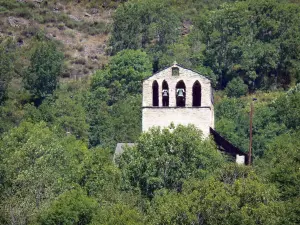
100 176
139 24
45 67
280 165
6 67
123 75
64 110
71 207
120 122
114 102
36 166
118 214
236 88
245 200
232 121
164 159
255 40
287 108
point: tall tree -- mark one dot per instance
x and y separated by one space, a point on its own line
45 67
6 67
140 24
164 158
255 40
36 166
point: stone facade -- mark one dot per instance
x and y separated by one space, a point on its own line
201 116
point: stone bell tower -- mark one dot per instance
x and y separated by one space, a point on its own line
180 96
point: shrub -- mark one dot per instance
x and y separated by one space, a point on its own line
45 67
236 88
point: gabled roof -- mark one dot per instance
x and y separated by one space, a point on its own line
176 65
120 148
225 145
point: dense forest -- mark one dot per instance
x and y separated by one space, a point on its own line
64 107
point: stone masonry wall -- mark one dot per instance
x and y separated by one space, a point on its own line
164 116
202 117
189 77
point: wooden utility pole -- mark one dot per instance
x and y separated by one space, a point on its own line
250 140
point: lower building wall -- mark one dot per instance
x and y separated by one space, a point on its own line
202 118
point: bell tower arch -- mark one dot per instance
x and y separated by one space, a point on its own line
182 96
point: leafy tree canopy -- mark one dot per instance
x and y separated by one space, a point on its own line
45 67
36 166
164 158
255 40
141 24
6 66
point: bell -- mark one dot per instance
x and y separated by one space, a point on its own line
180 93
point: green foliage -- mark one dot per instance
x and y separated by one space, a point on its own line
45 67
232 121
141 24
114 103
10 115
123 75
72 207
280 165
119 214
120 122
65 111
164 158
36 166
47 173
288 108
255 40
246 201
101 178
236 88
6 66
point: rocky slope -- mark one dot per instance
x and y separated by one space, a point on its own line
81 29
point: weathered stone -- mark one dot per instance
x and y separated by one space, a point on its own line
74 18
94 10
202 117
17 22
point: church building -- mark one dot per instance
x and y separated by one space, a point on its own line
180 96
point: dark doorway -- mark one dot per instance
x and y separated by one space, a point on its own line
155 100
196 94
165 93
180 94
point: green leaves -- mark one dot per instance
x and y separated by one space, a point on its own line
72 207
249 39
45 66
236 88
115 100
6 67
245 201
36 166
163 159
140 24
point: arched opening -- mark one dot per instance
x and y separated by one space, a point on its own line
165 93
196 94
180 94
155 100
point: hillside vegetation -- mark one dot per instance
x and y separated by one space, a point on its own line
70 90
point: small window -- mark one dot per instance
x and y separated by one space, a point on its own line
175 71
197 94
180 94
155 100
165 93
